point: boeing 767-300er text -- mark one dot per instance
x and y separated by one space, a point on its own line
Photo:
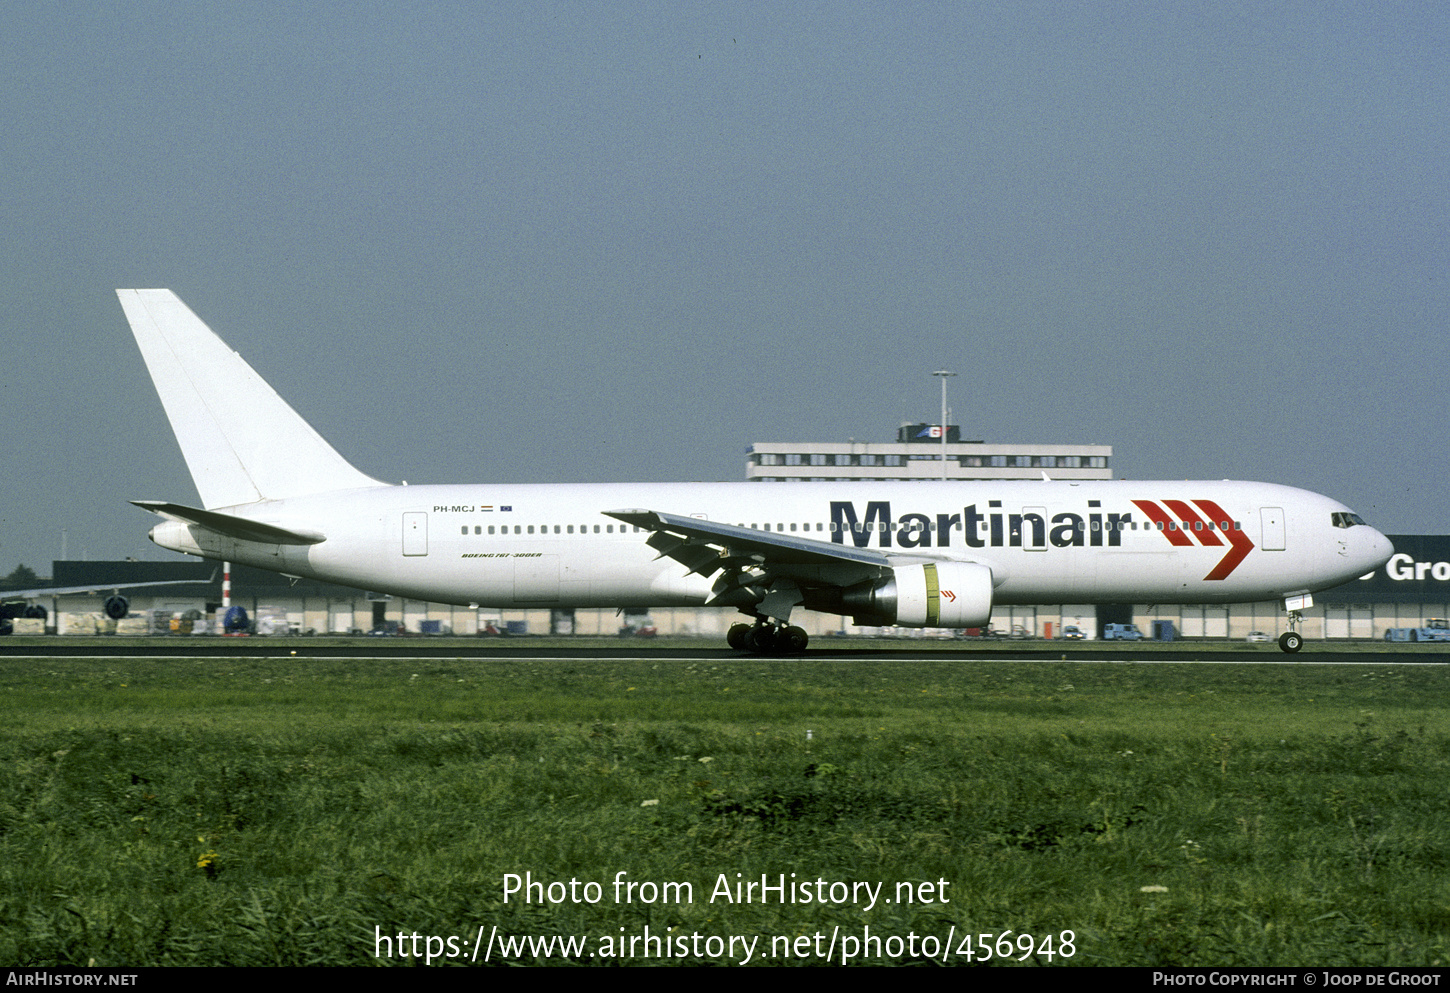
275 495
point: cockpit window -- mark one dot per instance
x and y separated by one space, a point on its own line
1344 519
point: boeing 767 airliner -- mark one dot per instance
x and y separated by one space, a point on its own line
275 495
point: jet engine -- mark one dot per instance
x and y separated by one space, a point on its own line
924 595
116 607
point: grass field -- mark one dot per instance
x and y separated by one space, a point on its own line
259 812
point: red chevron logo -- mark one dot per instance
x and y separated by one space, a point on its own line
1182 529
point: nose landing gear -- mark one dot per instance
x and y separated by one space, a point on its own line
1291 640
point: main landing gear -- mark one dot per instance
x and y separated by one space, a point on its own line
764 638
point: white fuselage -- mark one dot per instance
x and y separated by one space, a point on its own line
1045 542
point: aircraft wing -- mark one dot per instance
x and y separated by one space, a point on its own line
690 540
765 573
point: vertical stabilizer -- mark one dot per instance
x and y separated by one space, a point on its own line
242 442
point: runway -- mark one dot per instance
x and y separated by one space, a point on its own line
828 650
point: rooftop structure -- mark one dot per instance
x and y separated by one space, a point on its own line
917 454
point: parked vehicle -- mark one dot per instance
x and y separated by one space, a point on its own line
1122 632
1435 629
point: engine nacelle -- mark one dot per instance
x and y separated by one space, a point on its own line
925 595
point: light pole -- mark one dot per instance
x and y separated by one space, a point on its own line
944 377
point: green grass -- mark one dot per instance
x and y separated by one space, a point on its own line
257 812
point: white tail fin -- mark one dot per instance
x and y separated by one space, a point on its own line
242 442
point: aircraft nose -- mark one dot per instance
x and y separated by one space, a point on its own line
1376 551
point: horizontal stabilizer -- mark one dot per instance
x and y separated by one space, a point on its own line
233 527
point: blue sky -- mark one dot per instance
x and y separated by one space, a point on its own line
605 242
